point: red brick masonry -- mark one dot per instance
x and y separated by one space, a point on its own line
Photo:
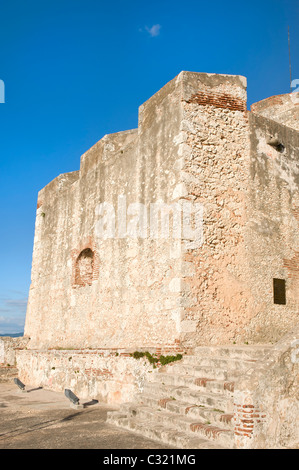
219 100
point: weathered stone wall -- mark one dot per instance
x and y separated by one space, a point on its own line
283 109
110 376
215 172
95 295
132 297
243 168
272 228
8 348
94 298
196 142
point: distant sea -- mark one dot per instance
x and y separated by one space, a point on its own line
13 335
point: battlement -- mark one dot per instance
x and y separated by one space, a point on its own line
283 109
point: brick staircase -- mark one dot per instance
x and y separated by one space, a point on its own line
189 404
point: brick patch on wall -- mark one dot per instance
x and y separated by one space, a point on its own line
226 418
246 418
230 386
103 373
163 402
201 381
219 100
210 431
81 279
292 264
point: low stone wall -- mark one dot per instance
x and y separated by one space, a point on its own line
267 399
8 348
110 376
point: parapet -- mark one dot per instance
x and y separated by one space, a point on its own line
283 109
57 185
109 146
219 90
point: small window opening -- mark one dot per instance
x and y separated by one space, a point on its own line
279 291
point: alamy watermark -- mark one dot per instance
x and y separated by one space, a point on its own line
156 220
2 92
295 92
295 352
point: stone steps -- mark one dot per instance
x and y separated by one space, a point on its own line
189 403
231 351
186 424
205 414
171 436
201 371
230 363
197 383
202 413
188 395
213 368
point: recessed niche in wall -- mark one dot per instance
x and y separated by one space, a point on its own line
279 291
84 268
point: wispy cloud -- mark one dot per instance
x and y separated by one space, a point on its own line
12 315
153 31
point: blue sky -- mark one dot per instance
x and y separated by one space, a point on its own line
77 70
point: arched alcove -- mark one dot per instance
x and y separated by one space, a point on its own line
84 268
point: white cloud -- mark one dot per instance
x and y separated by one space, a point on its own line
154 30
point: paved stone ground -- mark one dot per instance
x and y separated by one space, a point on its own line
42 419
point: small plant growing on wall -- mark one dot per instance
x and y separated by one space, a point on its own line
153 359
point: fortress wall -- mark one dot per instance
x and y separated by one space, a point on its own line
95 310
131 299
249 192
195 143
62 313
283 109
272 230
131 303
49 262
97 293
109 148
215 173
